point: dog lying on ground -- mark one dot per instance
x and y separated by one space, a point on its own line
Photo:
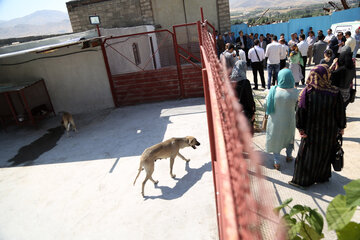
167 149
67 121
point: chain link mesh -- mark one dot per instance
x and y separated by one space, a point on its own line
247 191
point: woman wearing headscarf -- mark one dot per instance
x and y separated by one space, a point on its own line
243 90
320 116
280 109
343 72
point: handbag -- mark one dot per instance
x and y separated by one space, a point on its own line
338 157
352 95
353 92
264 122
260 62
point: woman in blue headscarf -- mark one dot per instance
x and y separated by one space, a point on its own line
280 109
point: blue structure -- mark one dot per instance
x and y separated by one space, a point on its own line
294 25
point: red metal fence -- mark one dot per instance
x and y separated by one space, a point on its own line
240 195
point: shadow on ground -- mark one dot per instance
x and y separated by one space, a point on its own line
318 192
192 176
352 119
111 134
31 152
357 140
288 169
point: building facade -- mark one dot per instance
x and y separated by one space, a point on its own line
162 14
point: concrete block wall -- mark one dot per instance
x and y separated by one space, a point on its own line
224 16
113 13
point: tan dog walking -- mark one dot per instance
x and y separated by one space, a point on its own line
67 121
167 149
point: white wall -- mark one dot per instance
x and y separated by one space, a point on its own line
76 78
118 63
169 13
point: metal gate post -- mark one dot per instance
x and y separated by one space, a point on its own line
108 72
212 143
200 43
47 94
178 65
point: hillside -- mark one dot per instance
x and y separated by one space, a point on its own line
43 22
278 12
236 5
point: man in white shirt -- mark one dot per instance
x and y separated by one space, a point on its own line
357 39
283 54
242 54
256 56
273 52
303 48
310 41
329 36
351 42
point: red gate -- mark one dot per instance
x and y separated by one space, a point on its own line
152 66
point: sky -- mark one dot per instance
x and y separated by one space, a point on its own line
10 9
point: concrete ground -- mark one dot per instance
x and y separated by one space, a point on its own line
81 187
320 195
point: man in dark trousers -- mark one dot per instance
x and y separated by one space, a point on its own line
303 49
256 55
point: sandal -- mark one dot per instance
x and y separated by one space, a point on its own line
277 166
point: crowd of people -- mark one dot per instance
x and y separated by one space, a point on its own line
268 52
318 111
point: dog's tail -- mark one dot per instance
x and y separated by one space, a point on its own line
140 169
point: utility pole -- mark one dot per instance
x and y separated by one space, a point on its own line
261 16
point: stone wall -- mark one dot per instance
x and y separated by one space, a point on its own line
147 12
113 13
164 14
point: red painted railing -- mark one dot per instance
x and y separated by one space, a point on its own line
240 196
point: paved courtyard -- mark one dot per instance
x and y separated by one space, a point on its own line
80 187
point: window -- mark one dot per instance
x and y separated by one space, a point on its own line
135 48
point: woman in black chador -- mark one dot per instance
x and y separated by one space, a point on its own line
320 116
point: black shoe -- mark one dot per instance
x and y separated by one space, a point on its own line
296 185
255 88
